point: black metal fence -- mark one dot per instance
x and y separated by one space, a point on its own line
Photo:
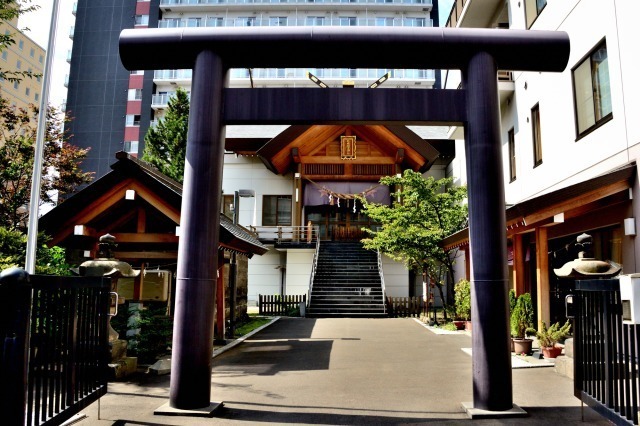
606 352
67 343
280 305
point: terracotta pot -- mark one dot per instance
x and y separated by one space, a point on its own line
522 346
551 352
459 325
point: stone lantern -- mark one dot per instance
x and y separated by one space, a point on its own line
586 266
106 265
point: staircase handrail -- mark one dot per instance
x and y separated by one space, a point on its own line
302 234
314 265
384 290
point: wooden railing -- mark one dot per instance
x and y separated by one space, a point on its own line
402 307
287 234
280 305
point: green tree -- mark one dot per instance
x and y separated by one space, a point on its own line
13 250
165 145
61 172
424 212
9 10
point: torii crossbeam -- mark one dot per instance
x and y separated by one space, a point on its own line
211 52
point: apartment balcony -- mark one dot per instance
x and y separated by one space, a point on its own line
161 101
75 8
173 76
72 30
69 56
253 21
335 76
217 5
478 14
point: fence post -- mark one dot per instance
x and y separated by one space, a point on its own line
15 311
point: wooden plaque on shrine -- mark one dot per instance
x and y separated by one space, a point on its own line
348 147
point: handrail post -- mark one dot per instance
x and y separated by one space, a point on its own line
15 313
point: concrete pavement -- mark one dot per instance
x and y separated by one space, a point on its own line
344 371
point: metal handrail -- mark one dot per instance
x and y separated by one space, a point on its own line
384 290
314 265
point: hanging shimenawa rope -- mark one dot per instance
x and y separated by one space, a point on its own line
342 196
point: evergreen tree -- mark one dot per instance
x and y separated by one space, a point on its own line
165 145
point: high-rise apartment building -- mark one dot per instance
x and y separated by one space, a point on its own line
113 108
24 55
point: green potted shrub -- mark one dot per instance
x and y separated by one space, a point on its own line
522 324
549 337
462 291
512 305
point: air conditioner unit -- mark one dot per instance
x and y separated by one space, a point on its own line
630 298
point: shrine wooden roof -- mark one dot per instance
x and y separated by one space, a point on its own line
145 226
318 149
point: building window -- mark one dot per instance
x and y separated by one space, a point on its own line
592 91
131 147
415 22
532 9
36 97
134 94
32 52
276 210
278 21
512 155
215 22
194 22
536 135
19 64
132 120
4 55
16 85
142 20
384 22
21 44
315 21
27 91
347 21
40 58
137 72
246 21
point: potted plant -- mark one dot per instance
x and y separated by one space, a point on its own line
549 337
522 324
462 292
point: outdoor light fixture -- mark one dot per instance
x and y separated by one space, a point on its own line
379 81
316 80
630 226
130 194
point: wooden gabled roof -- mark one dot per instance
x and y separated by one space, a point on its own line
314 143
144 226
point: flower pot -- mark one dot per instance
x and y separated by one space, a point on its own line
459 325
552 351
522 346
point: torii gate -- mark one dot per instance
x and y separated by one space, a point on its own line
211 52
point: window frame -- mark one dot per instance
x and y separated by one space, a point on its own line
278 198
537 12
536 135
511 140
604 119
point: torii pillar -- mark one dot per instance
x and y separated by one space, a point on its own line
210 52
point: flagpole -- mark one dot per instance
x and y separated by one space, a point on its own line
36 181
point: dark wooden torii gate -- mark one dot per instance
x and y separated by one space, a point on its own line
211 52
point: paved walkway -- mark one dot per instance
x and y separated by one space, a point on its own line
345 371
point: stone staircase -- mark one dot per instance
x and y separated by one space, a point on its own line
346 283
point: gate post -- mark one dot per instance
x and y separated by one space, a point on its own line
190 387
491 358
15 314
